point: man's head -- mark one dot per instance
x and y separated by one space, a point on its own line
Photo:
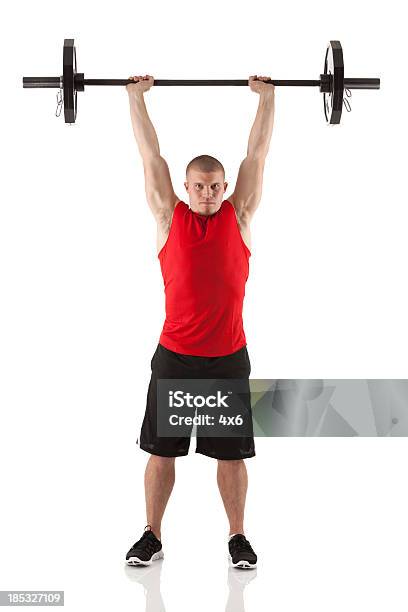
205 184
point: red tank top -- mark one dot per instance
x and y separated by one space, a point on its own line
205 265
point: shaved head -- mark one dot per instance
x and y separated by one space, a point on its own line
205 164
205 184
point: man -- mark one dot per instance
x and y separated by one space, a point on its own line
204 252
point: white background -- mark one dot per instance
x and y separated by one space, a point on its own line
82 302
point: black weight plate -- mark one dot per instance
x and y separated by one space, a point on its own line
69 72
334 67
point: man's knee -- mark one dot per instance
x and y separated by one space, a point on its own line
162 461
230 462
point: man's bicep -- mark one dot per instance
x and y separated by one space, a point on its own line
248 190
158 186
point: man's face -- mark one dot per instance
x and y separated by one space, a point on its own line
206 191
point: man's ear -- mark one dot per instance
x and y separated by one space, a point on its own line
186 186
225 186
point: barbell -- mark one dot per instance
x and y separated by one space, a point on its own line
332 83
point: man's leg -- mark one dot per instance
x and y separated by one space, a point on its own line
159 481
232 482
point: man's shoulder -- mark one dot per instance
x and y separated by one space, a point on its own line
243 220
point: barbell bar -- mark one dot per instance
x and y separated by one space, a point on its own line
332 82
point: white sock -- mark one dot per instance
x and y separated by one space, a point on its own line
231 536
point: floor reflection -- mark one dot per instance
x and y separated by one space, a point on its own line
149 578
237 581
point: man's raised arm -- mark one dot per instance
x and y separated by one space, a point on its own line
261 132
248 190
159 189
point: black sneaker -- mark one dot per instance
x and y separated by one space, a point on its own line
146 550
241 553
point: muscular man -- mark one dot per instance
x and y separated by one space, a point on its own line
204 251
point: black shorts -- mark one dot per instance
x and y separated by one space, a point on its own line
168 364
